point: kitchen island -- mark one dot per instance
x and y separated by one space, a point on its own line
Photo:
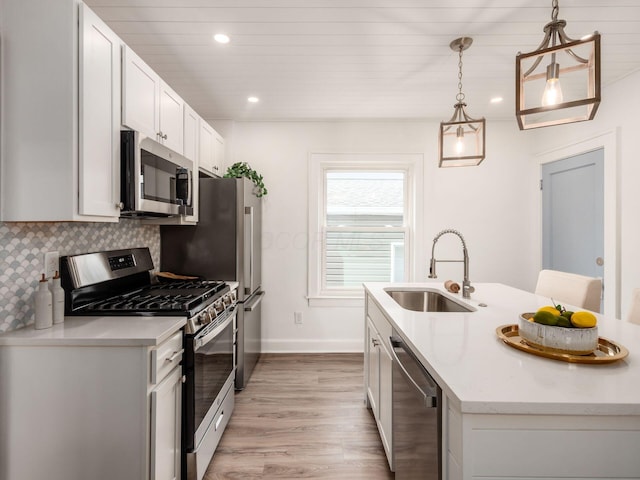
510 414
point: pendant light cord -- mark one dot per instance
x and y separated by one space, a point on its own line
554 10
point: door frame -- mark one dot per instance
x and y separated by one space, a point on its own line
608 142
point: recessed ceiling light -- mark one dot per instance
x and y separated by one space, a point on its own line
221 38
496 100
253 99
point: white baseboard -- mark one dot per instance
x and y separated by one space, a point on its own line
312 346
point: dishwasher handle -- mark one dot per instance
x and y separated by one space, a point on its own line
430 400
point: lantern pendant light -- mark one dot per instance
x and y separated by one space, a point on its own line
461 139
559 82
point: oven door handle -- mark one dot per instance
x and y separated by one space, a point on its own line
199 342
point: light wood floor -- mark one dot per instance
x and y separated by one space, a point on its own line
302 416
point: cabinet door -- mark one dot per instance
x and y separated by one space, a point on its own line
385 398
205 157
190 135
99 117
218 153
171 118
140 95
166 422
373 373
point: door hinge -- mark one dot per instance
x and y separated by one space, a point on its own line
540 184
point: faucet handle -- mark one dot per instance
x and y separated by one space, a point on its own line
432 268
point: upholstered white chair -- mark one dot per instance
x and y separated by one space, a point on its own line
577 290
634 309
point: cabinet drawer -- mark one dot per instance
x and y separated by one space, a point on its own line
166 357
379 321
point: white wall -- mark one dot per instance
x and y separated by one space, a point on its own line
617 118
490 204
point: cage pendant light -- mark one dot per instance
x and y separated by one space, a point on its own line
559 82
461 139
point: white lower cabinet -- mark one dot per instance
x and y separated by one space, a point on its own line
378 371
166 411
74 412
483 446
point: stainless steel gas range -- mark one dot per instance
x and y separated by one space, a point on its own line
119 282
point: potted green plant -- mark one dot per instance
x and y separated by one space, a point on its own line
242 169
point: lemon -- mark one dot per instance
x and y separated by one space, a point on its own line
550 309
584 319
545 317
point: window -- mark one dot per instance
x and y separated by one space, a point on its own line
361 221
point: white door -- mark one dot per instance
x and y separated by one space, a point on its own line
171 118
140 95
166 427
99 112
573 214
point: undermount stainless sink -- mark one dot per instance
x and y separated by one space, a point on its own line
426 300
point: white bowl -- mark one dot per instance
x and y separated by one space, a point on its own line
574 341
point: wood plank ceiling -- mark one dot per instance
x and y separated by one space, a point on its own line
356 59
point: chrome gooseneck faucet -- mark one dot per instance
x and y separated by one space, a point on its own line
467 289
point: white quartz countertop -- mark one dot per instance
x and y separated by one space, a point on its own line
481 374
98 331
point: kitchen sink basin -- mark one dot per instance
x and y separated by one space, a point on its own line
426 300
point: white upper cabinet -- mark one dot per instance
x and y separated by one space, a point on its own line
99 170
149 105
218 153
190 135
140 95
206 147
211 150
171 118
60 113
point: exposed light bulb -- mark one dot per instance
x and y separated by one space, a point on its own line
552 94
460 141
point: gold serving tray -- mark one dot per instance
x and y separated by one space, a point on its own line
607 351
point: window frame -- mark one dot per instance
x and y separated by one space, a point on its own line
319 163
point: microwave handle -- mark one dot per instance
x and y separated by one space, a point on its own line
187 209
190 189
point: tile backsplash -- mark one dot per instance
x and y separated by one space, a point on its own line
22 249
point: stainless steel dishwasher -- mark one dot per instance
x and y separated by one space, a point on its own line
417 414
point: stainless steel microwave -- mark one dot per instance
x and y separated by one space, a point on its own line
155 181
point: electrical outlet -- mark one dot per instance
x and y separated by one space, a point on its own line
51 264
297 318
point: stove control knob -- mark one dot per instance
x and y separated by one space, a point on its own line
205 318
218 306
191 326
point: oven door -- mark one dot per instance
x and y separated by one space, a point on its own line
209 363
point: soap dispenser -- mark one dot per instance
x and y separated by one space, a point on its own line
44 311
57 297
